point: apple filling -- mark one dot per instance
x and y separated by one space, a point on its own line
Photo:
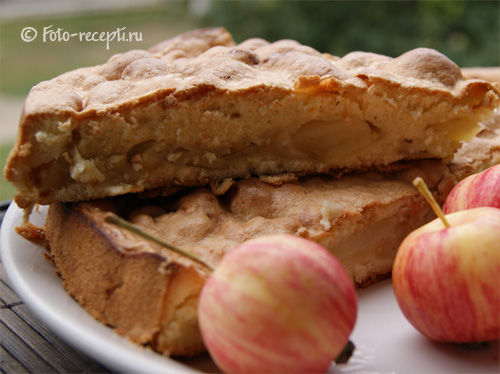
362 220
226 138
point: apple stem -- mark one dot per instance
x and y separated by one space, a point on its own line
124 224
475 346
346 353
419 183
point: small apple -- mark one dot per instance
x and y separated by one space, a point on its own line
278 303
482 189
446 276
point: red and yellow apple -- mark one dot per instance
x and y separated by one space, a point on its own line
482 189
279 303
447 279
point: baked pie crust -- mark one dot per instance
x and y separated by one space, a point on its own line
199 109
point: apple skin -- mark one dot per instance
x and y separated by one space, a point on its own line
277 303
447 280
482 189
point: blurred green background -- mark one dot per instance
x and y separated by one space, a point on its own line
466 31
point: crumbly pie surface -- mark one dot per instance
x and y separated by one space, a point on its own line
200 109
484 151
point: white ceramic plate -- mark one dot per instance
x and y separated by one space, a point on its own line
385 342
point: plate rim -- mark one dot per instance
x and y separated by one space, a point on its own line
120 354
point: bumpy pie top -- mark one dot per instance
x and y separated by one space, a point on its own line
199 109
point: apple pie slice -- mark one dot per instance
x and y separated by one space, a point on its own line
150 294
199 109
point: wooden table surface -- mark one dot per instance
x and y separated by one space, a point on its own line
26 345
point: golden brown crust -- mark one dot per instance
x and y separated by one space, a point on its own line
198 109
490 73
